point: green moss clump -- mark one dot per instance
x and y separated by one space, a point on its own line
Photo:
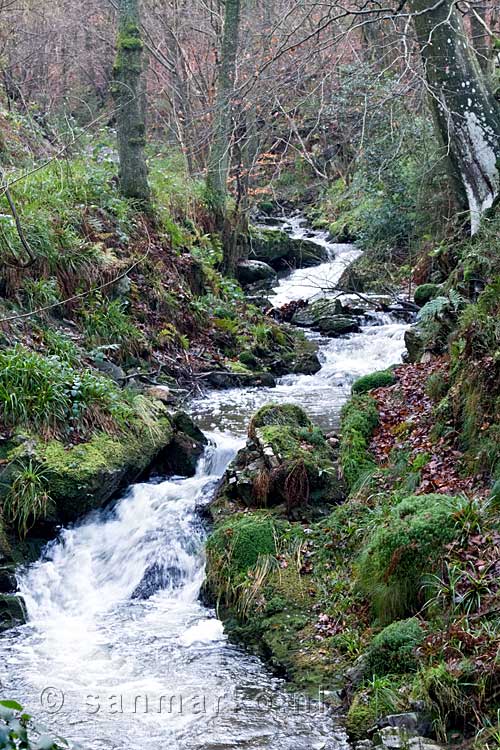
402 549
233 549
392 651
358 421
288 415
425 292
379 379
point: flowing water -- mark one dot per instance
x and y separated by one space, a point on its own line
119 653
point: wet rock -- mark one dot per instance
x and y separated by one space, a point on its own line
326 316
183 452
279 250
400 738
223 380
160 393
12 612
408 721
8 581
254 271
156 578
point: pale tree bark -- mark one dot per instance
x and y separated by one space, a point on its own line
219 157
465 111
129 98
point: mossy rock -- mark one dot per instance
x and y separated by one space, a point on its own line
287 461
405 547
12 612
285 415
279 250
380 379
415 343
359 418
392 651
326 316
425 292
85 476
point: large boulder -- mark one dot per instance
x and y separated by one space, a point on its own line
286 460
279 250
254 272
327 317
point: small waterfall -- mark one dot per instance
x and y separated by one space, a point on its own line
119 653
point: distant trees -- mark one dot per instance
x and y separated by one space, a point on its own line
130 100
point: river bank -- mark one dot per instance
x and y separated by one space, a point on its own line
120 590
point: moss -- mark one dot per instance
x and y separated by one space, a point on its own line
379 379
279 414
359 419
239 542
425 292
361 717
392 651
402 549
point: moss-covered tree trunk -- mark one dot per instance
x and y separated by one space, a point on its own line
220 148
466 113
130 101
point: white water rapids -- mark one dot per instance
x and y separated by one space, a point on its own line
119 653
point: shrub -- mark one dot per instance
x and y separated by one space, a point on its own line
358 421
392 650
378 379
425 292
402 550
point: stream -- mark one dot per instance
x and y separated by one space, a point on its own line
119 653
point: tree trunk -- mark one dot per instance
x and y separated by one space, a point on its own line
466 113
218 160
129 98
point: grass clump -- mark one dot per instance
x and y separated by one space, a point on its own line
106 322
379 379
402 549
27 499
392 651
358 421
376 698
49 395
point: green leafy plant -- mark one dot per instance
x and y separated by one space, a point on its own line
19 732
